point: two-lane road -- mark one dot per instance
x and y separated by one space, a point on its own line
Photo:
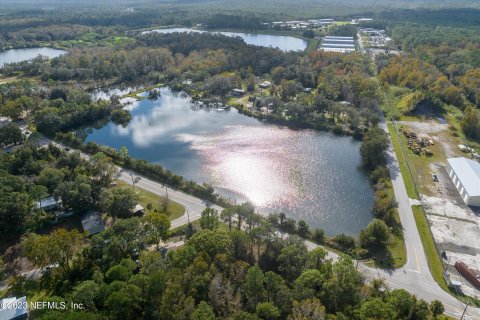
193 206
414 277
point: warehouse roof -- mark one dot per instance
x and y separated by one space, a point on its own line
468 172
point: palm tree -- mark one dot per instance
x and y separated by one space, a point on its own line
227 216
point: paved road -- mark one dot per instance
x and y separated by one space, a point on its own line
360 42
193 205
415 276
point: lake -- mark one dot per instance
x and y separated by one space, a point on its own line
309 175
17 55
284 43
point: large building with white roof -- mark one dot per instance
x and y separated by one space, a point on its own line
465 174
338 44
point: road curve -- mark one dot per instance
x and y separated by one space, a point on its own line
414 276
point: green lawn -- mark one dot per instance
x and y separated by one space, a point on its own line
407 178
135 94
173 211
395 254
434 262
312 45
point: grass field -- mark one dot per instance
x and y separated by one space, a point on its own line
434 262
312 45
135 94
395 254
407 178
173 211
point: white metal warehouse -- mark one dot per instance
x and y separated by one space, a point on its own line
465 174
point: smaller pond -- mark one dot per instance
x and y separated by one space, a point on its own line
18 55
284 43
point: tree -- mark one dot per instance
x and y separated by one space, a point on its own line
9 134
156 227
316 258
224 299
227 216
51 178
373 148
303 229
118 273
292 260
11 109
36 248
278 292
254 286
211 242
86 293
121 117
402 301
119 202
15 204
60 247
318 236
203 312
344 242
267 311
310 309
342 285
64 245
124 303
376 309
436 307
308 285
375 234
471 123
75 195
102 169
209 219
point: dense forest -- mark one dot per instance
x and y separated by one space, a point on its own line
347 98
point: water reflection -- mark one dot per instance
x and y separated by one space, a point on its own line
18 55
284 43
308 175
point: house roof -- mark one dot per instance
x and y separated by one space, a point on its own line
92 223
47 202
468 172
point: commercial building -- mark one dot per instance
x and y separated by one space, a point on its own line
465 175
338 44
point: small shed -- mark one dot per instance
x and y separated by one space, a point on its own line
265 84
92 222
237 92
138 210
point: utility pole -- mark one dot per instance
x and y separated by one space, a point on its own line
133 179
188 217
464 310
